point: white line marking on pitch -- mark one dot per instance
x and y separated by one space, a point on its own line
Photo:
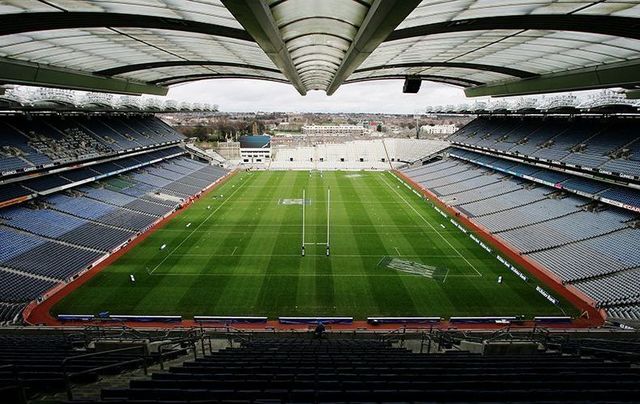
430 225
234 250
398 251
319 255
306 275
196 228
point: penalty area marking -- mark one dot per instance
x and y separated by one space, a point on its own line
430 225
195 229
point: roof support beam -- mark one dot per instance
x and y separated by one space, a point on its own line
173 63
168 81
602 76
632 94
454 81
626 27
256 18
383 17
19 72
30 22
473 66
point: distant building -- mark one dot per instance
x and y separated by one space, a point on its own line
438 129
255 149
333 130
229 150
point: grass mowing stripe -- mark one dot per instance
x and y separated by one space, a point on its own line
245 259
197 227
379 289
432 227
276 292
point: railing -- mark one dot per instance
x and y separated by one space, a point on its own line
142 359
188 340
633 356
18 381
397 334
122 331
235 333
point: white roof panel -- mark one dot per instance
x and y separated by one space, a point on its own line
466 41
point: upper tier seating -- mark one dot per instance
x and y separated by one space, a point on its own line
51 226
609 145
27 143
601 189
45 183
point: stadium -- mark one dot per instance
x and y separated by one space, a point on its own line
492 257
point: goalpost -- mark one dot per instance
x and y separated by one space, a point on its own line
304 241
328 211
304 202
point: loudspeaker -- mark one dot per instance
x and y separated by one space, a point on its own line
411 85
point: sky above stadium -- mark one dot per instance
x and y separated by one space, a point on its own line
233 95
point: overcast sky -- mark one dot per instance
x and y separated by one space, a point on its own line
234 95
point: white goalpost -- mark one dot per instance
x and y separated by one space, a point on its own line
303 203
328 211
304 241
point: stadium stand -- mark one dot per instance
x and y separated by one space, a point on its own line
301 369
581 229
600 190
75 217
625 312
33 143
378 154
602 145
45 363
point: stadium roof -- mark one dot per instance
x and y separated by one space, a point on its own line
489 47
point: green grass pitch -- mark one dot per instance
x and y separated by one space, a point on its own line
237 251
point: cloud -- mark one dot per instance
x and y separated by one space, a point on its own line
236 95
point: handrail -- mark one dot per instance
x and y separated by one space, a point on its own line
65 361
610 351
161 346
242 335
609 341
16 377
389 335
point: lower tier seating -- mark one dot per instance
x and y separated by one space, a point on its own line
333 370
37 361
630 312
49 240
589 244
